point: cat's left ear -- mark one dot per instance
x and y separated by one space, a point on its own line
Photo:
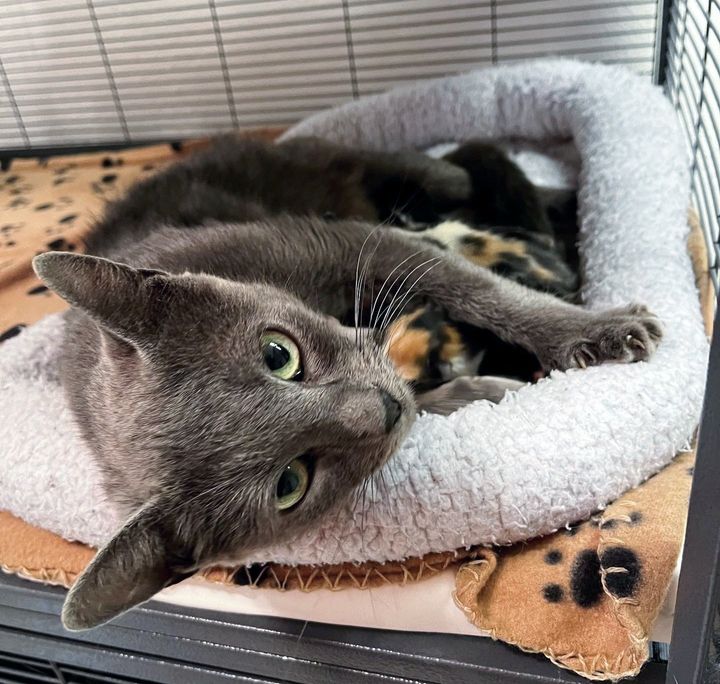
138 562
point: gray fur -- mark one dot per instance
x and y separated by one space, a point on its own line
164 373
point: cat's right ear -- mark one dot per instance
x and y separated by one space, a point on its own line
127 301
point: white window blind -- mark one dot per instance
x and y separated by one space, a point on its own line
83 72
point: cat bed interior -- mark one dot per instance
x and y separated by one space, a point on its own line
548 455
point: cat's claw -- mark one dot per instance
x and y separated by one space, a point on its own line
633 342
622 335
584 357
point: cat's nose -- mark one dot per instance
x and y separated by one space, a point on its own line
393 410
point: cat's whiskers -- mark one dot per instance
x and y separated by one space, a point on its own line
366 332
356 290
358 293
402 302
363 284
373 311
291 275
381 476
401 296
363 511
398 291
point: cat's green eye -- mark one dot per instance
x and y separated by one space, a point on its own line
292 485
281 355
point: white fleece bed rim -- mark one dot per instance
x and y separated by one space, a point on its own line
488 474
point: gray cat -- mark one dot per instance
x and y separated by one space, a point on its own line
207 368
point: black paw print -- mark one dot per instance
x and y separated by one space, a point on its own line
38 289
60 244
12 332
107 162
622 568
622 576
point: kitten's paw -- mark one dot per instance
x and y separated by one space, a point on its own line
622 335
464 390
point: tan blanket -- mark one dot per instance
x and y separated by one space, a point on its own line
585 597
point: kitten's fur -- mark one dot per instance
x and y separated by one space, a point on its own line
162 359
507 225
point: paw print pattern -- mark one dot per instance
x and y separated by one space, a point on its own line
12 332
622 570
61 174
109 162
18 202
37 290
617 566
16 188
635 518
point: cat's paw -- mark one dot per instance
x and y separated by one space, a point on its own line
622 335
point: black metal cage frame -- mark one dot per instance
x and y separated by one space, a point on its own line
162 643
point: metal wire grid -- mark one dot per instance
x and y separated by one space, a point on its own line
693 84
78 72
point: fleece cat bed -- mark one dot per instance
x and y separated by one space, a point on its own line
556 578
592 632
548 455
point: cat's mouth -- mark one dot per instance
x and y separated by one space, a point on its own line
330 468
329 465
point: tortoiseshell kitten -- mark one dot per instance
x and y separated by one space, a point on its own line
504 225
225 404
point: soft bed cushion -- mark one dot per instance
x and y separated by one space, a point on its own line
546 456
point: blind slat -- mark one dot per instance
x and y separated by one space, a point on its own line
148 69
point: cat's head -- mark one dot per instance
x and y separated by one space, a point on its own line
227 416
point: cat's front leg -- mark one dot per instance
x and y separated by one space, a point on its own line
561 335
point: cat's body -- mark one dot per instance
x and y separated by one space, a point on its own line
208 369
474 202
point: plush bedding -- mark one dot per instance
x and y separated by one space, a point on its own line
548 456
